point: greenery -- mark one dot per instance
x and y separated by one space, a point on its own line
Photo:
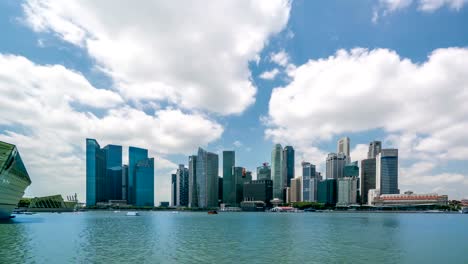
24 202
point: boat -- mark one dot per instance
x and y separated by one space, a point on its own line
14 179
213 212
464 210
133 214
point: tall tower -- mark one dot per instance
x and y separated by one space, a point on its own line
276 171
288 165
387 171
374 148
343 147
207 178
193 194
134 156
335 165
309 182
229 183
182 176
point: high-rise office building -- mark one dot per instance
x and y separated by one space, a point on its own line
309 182
220 189
374 148
134 156
335 165
95 172
288 165
343 147
229 183
327 191
241 176
276 171
264 172
367 178
193 194
296 190
351 170
113 176
173 190
259 190
387 171
347 191
124 182
182 176
207 178
144 182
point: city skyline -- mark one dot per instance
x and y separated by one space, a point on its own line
286 72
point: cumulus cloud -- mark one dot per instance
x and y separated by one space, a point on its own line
422 106
269 75
48 111
169 52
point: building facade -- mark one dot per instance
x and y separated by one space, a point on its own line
95 172
387 171
343 147
229 183
296 190
347 191
264 172
193 194
309 182
259 190
367 181
144 182
375 147
207 178
288 165
135 155
276 171
182 176
173 190
327 191
335 165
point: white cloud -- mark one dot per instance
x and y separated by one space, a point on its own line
431 5
237 144
45 112
192 55
269 75
422 106
359 152
281 58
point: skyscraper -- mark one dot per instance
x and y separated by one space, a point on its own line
134 156
113 176
309 182
240 177
368 173
229 184
347 191
296 190
173 190
95 172
124 181
207 179
343 147
288 165
193 194
276 162
327 191
259 190
374 148
182 176
144 182
335 165
264 172
387 171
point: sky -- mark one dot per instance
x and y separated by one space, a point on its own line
235 75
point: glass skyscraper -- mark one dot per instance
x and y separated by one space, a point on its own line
387 171
193 194
367 180
374 148
144 182
207 178
309 182
264 172
182 176
335 165
276 171
134 156
229 183
173 190
288 165
95 169
113 177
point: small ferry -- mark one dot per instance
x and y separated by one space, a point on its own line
133 214
213 212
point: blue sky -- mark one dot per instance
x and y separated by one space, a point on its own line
171 78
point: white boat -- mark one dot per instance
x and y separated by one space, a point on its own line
133 214
464 210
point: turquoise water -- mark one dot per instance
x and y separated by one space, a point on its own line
165 237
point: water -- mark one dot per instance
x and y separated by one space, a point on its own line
164 237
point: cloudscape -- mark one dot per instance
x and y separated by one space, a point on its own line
236 75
